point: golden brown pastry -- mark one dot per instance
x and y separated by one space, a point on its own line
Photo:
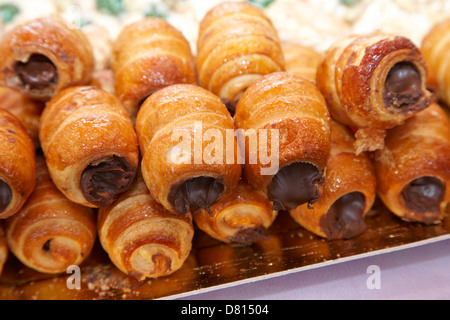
301 60
143 239
413 170
348 193
17 164
237 43
241 216
4 250
43 56
148 55
104 79
435 48
372 83
26 110
50 233
188 161
287 124
90 145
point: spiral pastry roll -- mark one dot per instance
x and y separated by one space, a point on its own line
90 145
237 43
301 60
43 56
286 121
413 170
4 250
50 233
26 110
242 216
372 83
143 239
435 48
17 164
189 159
148 55
348 193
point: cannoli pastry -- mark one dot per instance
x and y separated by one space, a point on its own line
90 145
435 48
286 121
372 83
241 216
237 43
143 239
17 164
301 60
50 233
4 250
413 170
148 55
43 56
26 110
348 192
188 158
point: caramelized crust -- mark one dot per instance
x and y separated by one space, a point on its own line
82 127
26 110
143 239
18 164
66 48
301 60
346 173
4 250
353 76
173 127
236 45
148 55
50 233
293 107
418 148
435 48
242 216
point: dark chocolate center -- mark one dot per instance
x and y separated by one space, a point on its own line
37 73
295 184
102 182
344 219
424 194
195 194
403 86
5 195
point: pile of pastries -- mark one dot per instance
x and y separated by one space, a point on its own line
115 154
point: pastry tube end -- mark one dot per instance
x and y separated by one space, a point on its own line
348 193
372 83
241 216
197 158
90 145
285 116
413 170
43 56
143 239
51 233
17 164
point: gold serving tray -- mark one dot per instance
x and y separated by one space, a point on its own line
212 265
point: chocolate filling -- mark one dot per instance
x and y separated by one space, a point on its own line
37 73
424 194
247 236
295 184
102 182
5 195
195 194
403 87
344 219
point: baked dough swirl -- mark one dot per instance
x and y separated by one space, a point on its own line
50 233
